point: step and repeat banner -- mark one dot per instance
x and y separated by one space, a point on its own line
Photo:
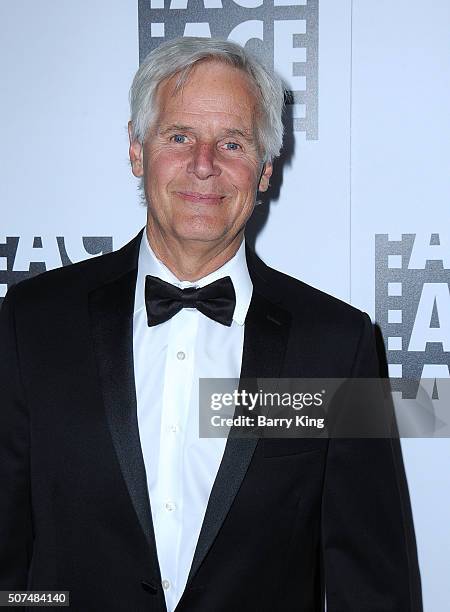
359 203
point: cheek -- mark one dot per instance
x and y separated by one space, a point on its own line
244 175
162 169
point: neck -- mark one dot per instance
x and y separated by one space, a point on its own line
193 259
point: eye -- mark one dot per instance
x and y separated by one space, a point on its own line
178 138
232 146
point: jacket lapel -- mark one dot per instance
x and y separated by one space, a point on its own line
265 339
111 310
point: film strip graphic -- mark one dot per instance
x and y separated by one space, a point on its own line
283 34
410 307
22 257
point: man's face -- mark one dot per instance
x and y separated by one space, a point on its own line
200 160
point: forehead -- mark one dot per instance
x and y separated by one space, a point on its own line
212 90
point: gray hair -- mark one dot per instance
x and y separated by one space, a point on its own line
178 56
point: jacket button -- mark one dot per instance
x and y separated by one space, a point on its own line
149 587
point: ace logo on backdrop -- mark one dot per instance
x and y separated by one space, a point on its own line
27 255
412 306
283 34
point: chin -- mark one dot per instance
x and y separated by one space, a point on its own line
205 231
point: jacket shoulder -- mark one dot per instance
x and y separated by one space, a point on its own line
306 301
77 278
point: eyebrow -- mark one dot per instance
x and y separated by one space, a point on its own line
243 134
174 127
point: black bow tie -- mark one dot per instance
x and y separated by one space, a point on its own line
163 300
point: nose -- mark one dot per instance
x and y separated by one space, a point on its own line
203 162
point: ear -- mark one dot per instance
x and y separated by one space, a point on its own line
135 152
265 176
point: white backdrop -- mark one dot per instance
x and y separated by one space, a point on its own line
379 166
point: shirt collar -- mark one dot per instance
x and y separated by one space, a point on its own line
236 268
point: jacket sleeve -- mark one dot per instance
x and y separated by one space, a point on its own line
368 543
16 537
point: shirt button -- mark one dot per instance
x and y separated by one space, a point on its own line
170 506
181 355
165 584
173 428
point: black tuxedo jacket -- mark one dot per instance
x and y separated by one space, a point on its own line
286 519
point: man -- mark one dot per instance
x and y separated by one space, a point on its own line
107 490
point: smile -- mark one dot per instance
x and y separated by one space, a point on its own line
203 198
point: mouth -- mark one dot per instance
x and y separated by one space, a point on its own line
200 198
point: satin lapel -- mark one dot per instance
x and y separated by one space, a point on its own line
265 338
111 310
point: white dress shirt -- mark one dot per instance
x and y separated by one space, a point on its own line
169 359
